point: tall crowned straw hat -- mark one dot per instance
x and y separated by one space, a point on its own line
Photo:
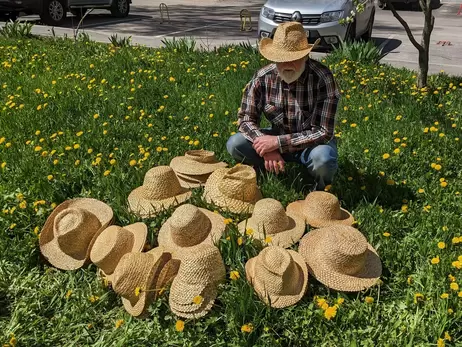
290 43
196 162
114 242
160 190
321 209
279 276
234 189
70 231
270 222
340 257
194 289
189 226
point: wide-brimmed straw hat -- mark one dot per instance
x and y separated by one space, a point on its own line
196 162
321 209
189 226
201 271
70 231
114 242
340 257
160 190
290 43
271 223
279 276
192 181
233 189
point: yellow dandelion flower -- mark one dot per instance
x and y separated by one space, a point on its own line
454 286
119 323
68 294
179 325
106 173
441 245
247 328
421 191
249 231
444 296
234 275
435 260
50 177
137 291
386 156
369 300
330 312
198 299
268 239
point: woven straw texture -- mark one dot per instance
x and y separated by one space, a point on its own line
160 190
290 43
279 276
340 257
196 162
233 189
190 309
66 241
321 209
192 181
269 219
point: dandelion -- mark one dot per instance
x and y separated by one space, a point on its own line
440 343
93 298
228 221
330 312
421 191
68 294
454 286
37 148
441 245
234 275
369 300
437 167
23 204
268 239
249 231
132 162
179 325
106 173
119 323
444 184
386 156
50 177
13 341
239 241
447 336
418 297
247 328
3 165
138 291
198 299
435 260
444 296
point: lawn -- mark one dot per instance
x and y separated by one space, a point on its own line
88 119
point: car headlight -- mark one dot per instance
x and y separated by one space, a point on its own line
267 12
331 16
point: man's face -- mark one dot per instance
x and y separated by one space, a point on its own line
292 70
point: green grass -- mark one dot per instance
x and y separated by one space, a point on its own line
161 102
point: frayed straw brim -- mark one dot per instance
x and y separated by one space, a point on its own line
182 295
49 246
278 55
314 220
187 166
311 250
191 182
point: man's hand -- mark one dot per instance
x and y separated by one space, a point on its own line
274 162
265 144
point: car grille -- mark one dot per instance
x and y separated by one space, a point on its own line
308 19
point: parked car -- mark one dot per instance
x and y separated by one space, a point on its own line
54 12
320 18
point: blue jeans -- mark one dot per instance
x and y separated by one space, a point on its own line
320 160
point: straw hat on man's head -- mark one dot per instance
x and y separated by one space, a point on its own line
196 162
340 257
270 223
279 276
289 43
70 231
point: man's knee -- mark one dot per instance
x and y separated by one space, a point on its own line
237 146
324 160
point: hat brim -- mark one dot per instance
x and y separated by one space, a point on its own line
187 166
49 245
310 248
346 218
274 300
277 55
182 295
191 182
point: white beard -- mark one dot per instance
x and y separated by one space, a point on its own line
290 76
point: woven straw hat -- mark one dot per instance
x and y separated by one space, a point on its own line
70 231
279 276
160 190
192 181
201 270
321 209
340 257
290 43
114 242
269 219
234 189
196 162
189 226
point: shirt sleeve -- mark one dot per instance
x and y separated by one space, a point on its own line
322 121
250 111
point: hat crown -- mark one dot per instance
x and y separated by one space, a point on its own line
324 205
270 216
160 183
240 183
201 156
74 229
291 37
189 226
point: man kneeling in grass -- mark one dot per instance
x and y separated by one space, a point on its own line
299 97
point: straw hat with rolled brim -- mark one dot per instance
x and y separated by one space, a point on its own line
321 209
70 231
271 223
233 189
189 226
279 276
196 162
160 190
289 43
340 257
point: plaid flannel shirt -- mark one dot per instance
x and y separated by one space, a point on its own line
302 113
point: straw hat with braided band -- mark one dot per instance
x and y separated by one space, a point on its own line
290 43
201 271
189 226
70 231
234 189
270 222
114 242
160 190
321 209
340 257
196 162
279 276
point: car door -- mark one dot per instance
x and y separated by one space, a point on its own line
362 19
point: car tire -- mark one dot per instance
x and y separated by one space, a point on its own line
368 34
350 35
120 8
54 12
78 12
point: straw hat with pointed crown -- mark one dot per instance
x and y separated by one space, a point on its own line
340 257
70 231
233 189
321 209
290 43
270 222
196 162
160 190
279 276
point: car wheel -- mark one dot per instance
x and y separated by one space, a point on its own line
350 35
53 12
368 34
78 12
120 8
